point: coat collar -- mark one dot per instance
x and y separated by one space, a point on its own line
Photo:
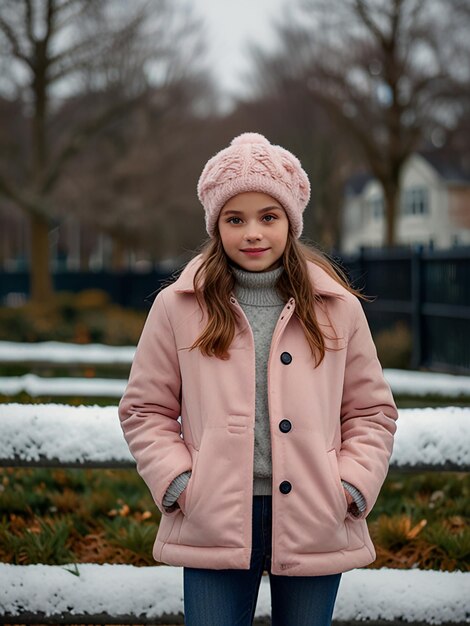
324 285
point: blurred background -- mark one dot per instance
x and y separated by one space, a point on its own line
109 110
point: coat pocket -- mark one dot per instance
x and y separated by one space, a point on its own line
316 502
184 499
333 460
215 506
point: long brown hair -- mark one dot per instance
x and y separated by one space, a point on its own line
214 281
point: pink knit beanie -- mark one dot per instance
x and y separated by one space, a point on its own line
251 163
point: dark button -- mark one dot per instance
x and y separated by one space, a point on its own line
285 486
286 358
285 426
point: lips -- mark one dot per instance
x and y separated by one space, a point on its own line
254 250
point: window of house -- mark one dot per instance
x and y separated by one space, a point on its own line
415 201
376 205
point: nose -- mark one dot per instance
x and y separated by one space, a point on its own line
251 234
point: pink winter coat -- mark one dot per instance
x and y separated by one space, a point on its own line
343 420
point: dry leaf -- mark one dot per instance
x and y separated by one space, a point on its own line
414 532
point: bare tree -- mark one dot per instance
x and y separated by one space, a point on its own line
388 72
99 59
136 181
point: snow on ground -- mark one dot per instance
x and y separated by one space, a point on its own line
71 434
424 436
411 383
364 594
401 381
59 352
431 436
84 387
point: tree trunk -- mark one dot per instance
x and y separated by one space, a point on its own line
41 286
118 255
40 275
391 210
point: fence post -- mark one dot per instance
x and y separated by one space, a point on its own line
416 306
361 268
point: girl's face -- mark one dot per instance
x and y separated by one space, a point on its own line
256 222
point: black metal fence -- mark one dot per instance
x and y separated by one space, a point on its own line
426 290
128 289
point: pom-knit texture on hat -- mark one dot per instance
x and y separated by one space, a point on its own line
252 163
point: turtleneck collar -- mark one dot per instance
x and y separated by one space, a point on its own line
257 288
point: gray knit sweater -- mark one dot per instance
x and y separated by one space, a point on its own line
262 305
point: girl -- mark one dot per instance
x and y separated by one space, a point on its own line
287 423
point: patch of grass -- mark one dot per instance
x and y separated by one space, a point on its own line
418 520
85 500
131 535
44 541
452 541
434 401
394 533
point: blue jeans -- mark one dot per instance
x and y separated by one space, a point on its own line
227 597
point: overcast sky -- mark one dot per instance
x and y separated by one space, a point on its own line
230 24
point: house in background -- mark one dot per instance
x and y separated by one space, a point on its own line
434 207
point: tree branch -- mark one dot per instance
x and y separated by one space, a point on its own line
15 46
71 59
369 22
33 205
65 5
83 6
29 20
66 61
49 20
81 135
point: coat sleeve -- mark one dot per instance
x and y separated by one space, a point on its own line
150 407
368 416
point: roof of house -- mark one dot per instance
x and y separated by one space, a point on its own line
450 167
356 183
